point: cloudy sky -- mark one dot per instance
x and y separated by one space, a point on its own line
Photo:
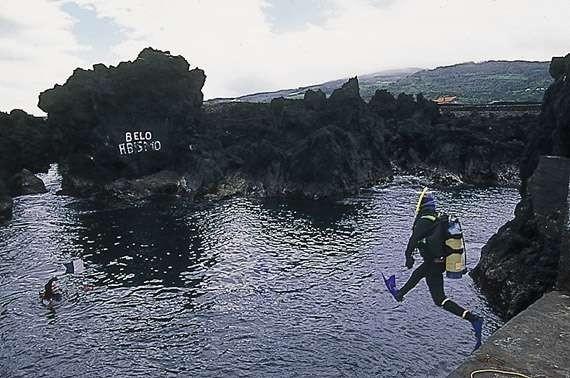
253 45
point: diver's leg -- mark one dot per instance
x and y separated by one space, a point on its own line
434 280
416 276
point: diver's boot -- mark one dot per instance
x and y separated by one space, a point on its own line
477 323
399 296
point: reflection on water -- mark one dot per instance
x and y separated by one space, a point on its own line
240 287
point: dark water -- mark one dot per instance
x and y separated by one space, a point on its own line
242 287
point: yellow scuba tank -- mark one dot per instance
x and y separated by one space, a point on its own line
447 239
455 265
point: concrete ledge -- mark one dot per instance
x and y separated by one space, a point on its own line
536 342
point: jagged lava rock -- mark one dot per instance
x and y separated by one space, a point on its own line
25 142
145 116
128 121
25 182
348 152
520 262
315 100
6 203
553 135
315 147
133 192
476 150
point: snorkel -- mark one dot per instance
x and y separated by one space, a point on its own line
419 204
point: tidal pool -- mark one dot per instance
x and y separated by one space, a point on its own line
234 288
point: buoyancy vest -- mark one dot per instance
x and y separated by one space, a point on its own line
446 237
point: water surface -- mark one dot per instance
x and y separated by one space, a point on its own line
239 287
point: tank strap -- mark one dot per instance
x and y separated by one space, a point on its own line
429 217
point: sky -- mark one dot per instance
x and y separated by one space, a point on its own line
248 46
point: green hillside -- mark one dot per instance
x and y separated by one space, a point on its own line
479 82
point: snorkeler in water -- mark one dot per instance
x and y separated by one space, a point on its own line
51 293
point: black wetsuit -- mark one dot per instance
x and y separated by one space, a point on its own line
431 269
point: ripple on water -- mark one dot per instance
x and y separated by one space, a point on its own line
240 287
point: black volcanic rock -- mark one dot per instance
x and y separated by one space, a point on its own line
113 125
314 147
345 106
109 119
553 135
315 100
383 104
25 182
6 203
25 142
520 262
128 121
132 192
480 150
559 66
349 92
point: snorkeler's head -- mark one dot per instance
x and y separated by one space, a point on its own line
49 288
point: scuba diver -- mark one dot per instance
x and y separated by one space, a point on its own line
51 293
433 266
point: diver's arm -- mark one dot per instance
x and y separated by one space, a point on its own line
421 229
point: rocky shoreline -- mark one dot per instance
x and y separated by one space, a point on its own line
126 133
25 147
117 127
521 262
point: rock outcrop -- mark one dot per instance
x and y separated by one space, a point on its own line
315 147
553 135
128 121
475 150
118 126
315 100
25 182
133 192
25 143
6 203
120 129
520 262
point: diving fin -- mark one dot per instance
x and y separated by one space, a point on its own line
390 283
477 324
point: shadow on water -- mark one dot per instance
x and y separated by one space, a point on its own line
137 247
320 214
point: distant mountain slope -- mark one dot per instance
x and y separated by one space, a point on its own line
368 83
480 82
471 82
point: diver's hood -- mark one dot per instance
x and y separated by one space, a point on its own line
425 200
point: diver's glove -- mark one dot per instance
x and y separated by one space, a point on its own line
409 262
